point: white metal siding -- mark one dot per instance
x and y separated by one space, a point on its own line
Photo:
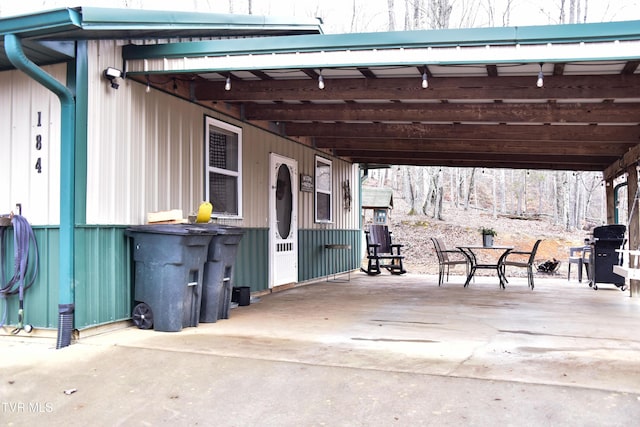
21 99
145 153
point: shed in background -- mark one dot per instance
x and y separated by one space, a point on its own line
379 201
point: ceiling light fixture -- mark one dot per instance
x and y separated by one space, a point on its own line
540 81
425 82
320 81
227 84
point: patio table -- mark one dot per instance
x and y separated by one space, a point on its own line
470 252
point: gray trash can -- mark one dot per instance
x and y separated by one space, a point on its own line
218 271
169 270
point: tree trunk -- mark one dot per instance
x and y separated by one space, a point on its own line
407 21
408 189
503 191
428 193
439 13
494 194
353 16
439 191
586 9
470 189
417 14
566 200
561 19
572 11
392 16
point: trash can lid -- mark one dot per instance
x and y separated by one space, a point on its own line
219 228
180 229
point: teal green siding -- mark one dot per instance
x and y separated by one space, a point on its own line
41 299
103 270
252 264
315 261
103 292
252 261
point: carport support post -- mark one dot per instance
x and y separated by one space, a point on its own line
610 193
634 225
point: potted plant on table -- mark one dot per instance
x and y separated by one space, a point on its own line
487 236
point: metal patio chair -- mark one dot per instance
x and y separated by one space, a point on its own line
445 262
523 259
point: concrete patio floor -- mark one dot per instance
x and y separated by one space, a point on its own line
374 351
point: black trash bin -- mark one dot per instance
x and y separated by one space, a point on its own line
218 271
241 295
169 270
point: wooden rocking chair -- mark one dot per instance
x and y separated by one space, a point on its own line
381 252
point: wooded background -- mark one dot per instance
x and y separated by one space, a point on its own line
573 199
388 15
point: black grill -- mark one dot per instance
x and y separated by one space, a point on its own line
606 239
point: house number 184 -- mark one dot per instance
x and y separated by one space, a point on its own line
39 143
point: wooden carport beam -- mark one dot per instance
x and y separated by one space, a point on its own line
462 88
630 159
458 132
524 148
470 163
438 112
567 162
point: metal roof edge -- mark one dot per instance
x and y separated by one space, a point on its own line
46 22
50 22
97 17
608 31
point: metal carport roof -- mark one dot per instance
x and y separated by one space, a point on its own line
482 106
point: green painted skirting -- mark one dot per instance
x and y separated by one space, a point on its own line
315 261
102 272
41 299
104 278
252 263
103 292
252 260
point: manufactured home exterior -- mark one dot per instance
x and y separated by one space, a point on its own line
140 150
107 115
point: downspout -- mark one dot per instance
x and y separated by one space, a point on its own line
66 297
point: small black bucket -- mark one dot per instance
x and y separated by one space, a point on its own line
241 295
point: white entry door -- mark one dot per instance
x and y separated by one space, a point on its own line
283 221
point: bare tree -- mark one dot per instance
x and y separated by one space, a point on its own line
417 14
392 16
470 188
469 13
409 189
407 21
439 13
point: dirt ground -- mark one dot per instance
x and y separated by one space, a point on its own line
463 227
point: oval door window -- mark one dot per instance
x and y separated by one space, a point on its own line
284 201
